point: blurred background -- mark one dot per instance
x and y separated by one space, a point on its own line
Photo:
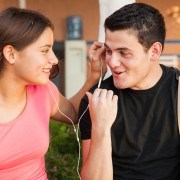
77 24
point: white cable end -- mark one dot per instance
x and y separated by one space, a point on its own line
100 79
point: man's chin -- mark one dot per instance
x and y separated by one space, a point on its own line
119 85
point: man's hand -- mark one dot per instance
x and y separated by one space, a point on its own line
103 109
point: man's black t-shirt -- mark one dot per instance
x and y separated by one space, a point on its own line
145 135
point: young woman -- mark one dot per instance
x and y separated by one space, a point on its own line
26 93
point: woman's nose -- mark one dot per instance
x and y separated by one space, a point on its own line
53 59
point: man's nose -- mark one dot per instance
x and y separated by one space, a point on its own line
114 61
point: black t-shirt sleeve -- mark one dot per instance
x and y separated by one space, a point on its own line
85 121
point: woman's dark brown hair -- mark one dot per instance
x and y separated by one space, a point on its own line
19 28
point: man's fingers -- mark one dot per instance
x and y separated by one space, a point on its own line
104 94
110 95
97 93
115 99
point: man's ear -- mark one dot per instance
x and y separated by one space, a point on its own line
155 51
9 53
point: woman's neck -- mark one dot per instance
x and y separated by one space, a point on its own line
11 91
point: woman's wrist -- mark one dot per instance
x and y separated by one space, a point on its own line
92 80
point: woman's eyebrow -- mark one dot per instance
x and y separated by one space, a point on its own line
46 45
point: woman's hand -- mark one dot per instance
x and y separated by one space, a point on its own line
103 110
96 56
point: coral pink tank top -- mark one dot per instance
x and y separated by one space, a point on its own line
24 141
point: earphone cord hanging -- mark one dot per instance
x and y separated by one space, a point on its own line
99 83
77 131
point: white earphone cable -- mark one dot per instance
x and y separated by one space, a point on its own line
76 131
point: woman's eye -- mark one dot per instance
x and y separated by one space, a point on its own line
45 51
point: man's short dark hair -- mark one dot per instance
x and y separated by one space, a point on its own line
143 20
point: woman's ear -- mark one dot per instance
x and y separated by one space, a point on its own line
9 53
155 51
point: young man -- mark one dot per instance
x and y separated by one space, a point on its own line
143 141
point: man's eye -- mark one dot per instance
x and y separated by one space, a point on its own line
124 53
108 51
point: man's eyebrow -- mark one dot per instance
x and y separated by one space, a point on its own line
106 45
121 48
